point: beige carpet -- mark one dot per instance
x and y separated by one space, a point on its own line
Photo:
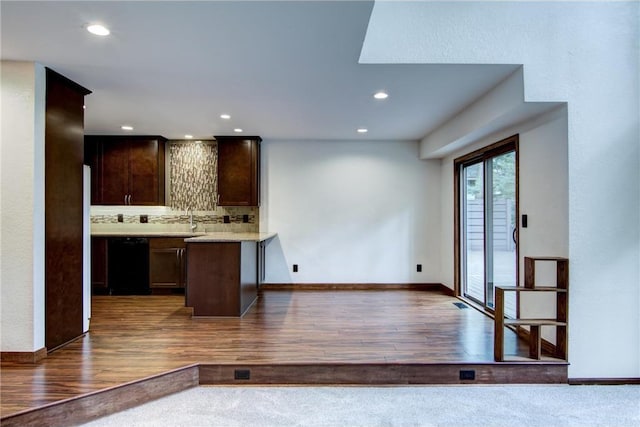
543 406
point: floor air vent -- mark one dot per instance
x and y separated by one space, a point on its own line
460 305
242 374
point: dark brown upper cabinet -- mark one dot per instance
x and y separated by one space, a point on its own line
238 170
126 170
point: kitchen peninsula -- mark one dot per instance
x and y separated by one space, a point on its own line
224 271
219 272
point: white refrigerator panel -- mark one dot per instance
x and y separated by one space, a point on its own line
86 248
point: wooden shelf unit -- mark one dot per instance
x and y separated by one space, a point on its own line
559 322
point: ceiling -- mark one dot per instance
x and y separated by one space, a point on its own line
281 69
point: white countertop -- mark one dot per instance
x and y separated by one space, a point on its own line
135 233
201 237
231 237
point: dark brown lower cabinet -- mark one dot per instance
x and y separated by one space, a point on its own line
99 280
167 265
221 278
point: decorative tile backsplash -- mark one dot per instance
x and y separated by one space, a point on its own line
205 218
193 175
105 218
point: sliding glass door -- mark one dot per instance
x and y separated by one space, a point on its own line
473 253
487 219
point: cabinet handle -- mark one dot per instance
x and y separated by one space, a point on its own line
125 199
129 198
218 199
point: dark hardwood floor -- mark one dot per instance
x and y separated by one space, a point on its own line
133 337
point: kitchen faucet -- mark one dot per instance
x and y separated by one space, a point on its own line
192 226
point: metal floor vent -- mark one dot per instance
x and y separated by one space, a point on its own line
460 305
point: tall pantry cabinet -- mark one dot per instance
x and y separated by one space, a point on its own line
64 154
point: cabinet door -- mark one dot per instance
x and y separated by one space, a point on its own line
113 169
238 171
166 266
126 170
144 172
99 264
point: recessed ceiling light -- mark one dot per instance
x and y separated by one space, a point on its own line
381 95
225 116
362 130
98 30
238 130
188 136
125 127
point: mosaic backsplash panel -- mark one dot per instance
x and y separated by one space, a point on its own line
193 175
244 219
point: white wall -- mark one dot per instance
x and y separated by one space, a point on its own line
22 89
350 212
587 55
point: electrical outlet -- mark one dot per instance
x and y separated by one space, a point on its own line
295 268
144 219
419 268
227 219
245 218
120 218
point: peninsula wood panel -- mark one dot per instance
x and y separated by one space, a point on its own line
64 157
213 278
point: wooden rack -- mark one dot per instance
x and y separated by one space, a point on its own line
559 322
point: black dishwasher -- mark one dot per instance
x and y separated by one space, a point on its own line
128 271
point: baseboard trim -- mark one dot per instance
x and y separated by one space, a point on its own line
90 406
604 381
64 344
438 287
23 356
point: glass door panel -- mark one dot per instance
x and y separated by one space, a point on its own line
473 232
500 228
